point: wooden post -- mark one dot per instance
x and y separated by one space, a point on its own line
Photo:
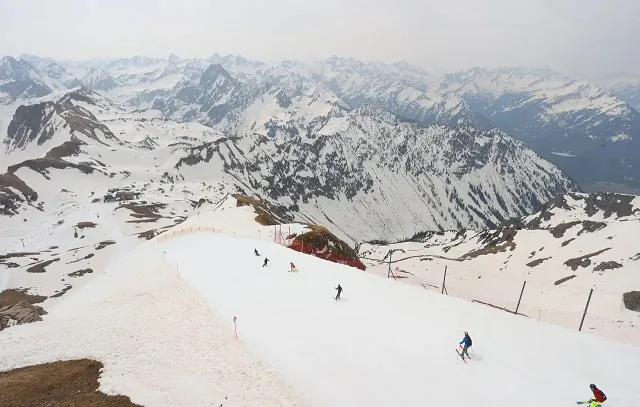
585 309
520 299
444 280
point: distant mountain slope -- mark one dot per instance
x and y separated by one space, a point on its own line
584 129
425 178
575 243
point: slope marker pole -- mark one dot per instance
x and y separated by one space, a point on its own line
520 299
584 314
444 280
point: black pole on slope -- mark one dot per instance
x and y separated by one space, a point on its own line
389 270
444 280
585 309
520 299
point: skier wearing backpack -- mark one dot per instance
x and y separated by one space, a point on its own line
598 397
466 344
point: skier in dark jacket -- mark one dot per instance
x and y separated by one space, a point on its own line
265 262
255 251
339 288
466 344
598 396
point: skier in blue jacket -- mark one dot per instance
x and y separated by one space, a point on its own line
466 344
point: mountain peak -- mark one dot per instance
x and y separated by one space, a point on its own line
213 72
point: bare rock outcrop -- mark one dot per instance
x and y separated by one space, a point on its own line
20 313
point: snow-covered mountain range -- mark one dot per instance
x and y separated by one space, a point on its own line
589 131
362 171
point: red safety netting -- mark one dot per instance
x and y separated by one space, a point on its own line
326 254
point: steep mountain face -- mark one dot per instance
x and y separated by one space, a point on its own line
98 79
624 86
425 179
398 89
630 93
287 104
582 128
18 79
38 123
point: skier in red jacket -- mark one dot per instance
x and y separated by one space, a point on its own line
598 396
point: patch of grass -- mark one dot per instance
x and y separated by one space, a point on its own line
14 296
71 383
40 267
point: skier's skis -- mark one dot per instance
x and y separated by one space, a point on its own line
462 357
460 347
583 402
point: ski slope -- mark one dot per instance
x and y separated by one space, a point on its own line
161 320
390 344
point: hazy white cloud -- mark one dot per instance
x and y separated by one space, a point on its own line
591 36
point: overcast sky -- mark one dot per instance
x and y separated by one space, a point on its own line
586 36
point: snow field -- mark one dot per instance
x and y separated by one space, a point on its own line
160 345
387 343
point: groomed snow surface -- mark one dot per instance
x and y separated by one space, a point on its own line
161 321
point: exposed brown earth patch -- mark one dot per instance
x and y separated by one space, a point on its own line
143 210
104 244
562 280
265 216
559 230
148 235
631 300
607 265
14 296
72 383
583 261
88 256
62 292
17 254
84 225
80 273
591 226
492 249
537 262
40 267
